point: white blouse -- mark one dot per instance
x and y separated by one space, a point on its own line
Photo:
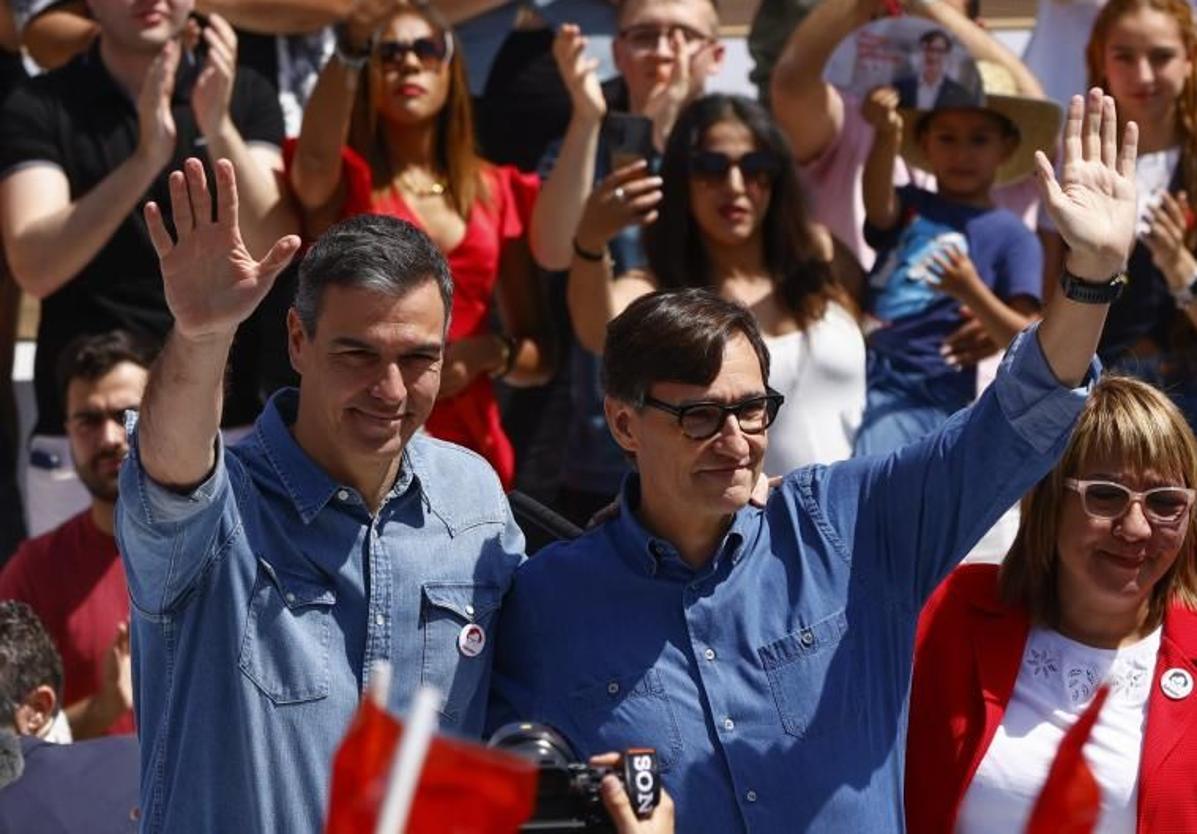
1055 684
821 372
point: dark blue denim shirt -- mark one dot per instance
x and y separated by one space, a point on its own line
773 681
261 599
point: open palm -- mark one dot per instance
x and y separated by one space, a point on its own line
1093 203
212 283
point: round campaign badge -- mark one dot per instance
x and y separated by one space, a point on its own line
1176 683
472 640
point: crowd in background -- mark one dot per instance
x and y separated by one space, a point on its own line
886 241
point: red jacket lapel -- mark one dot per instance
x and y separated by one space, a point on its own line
1168 720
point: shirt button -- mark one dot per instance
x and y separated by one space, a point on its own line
806 638
342 495
613 688
728 724
750 796
709 654
470 610
290 599
379 619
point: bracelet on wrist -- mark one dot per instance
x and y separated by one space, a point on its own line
509 351
1186 294
351 57
586 254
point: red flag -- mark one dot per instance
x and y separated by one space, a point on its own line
1070 801
463 789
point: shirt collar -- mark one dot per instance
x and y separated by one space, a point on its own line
307 484
652 555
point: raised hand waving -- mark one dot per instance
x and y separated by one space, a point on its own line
212 282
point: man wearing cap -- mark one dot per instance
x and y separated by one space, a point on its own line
766 652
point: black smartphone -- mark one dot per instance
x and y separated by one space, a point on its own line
628 138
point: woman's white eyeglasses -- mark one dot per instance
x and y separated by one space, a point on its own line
1109 500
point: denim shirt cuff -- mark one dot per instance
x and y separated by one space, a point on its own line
1040 409
160 505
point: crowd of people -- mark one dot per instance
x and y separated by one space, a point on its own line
325 287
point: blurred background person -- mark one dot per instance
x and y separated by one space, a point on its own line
89 787
731 217
72 576
1143 53
389 130
1100 586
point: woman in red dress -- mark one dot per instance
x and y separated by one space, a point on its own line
389 130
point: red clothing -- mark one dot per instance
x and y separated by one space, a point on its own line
73 579
967 654
470 418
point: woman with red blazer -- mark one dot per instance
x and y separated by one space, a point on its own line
1100 585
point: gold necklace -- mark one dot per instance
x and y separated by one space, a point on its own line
434 189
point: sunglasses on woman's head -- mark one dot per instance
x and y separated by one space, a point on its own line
761 167
1109 500
430 51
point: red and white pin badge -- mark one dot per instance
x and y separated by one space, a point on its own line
1176 683
472 640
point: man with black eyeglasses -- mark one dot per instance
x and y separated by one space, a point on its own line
766 652
72 576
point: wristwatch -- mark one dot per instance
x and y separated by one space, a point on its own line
1089 292
1187 294
351 56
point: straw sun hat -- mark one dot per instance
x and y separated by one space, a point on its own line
1037 122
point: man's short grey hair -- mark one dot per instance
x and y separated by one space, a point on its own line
370 252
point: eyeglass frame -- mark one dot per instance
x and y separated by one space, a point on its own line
690 34
404 47
680 411
1080 486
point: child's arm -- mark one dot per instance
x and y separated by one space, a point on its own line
1002 321
880 109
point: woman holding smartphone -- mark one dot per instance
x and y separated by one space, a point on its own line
727 212
389 130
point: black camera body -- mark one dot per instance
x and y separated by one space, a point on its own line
567 793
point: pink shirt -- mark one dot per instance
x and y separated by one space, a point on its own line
834 181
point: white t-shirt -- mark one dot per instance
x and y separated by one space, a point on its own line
1055 684
821 372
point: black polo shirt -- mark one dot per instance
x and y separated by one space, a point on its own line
79 119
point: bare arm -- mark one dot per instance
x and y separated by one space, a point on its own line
50 239
212 284
1001 321
1093 207
266 212
59 34
880 197
316 170
562 197
525 315
980 44
809 110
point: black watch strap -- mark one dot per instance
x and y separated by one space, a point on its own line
1087 292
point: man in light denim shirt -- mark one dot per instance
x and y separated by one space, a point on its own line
766 652
266 578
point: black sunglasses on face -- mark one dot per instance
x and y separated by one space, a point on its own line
431 52
699 421
760 167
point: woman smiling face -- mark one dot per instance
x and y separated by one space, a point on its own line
1146 64
1111 565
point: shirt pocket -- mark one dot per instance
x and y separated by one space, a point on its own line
809 676
285 650
628 711
447 609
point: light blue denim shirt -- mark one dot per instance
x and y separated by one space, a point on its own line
260 600
773 682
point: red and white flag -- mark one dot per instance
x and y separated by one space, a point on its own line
1070 802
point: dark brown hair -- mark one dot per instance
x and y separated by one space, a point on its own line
674 336
91 356
673 244
457 159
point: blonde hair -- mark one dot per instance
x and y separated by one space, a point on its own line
1135 424
1186 102
457 159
